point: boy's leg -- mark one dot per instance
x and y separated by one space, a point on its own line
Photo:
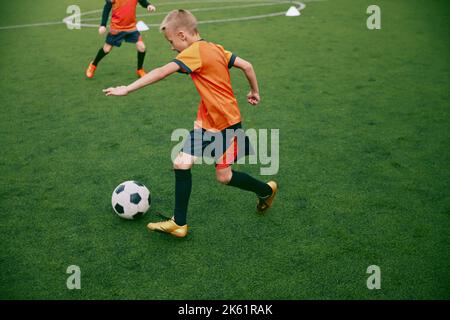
183 186
243 181
265 191
100 55
141 50
177 226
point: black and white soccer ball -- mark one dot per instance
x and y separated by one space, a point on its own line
131 200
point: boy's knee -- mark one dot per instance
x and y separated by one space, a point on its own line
107 48
140 46
183 162
223 177
181 166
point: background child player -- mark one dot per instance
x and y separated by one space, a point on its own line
208 64
122 28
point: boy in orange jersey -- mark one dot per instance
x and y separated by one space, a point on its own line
208 65
122 28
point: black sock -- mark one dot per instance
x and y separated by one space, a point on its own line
244 181
100 55
140 58
183 187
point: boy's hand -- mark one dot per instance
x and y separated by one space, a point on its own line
253 98
151 8
117 91
102 30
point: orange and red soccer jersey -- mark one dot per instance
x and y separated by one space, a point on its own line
123 16
208 65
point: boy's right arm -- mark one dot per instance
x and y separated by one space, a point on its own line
153 76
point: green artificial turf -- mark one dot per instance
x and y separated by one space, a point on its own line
364 158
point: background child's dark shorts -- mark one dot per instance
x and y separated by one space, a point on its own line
226 146
116 39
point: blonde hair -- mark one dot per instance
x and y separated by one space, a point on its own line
177 19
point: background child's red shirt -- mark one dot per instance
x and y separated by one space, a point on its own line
123 16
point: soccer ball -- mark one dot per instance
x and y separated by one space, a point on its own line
131 200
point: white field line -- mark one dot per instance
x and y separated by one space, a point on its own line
67 20
206 9
300 6
30 25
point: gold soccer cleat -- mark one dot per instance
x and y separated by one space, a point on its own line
266 203
169 227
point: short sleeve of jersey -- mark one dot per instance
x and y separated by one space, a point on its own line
189 59
231 57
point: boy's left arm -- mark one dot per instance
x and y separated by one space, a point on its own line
253 96
145 4
153 76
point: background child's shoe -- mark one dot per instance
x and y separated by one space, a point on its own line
266 203
140 73
90 70
169 227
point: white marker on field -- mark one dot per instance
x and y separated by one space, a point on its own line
141 26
